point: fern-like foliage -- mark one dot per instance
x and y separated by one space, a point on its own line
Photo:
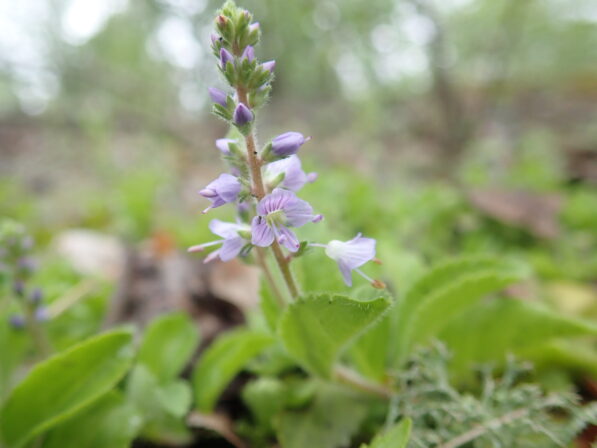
506 412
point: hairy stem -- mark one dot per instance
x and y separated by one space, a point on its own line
259 191
37 334
354 380
479 430
262 261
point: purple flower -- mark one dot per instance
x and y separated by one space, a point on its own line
276 212
350 255
232 242
225 57
248 54
253 27
217 96
17 321
41 314
223 144
288 143
294 176
221 191
242 115
269 66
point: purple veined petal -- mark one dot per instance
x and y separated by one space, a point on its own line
269 66
231 248
346 272
248 53
276 200
353 253
288 239
223 145
294 176
298 212
262 234
242 115
217 96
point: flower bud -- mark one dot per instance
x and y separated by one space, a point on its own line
41 314
288 143
253 27
221 20
248 54
269 66
36 296
223 144
18 288
17 321
242 115
218 96
225 57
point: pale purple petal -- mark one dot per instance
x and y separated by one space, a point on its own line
288 143
231 248
288 239
225 229
223 145
218 96
262 234
346 272
353 253
269 66
298 212
275 201
248 53
294 176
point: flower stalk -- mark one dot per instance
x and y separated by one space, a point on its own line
262 182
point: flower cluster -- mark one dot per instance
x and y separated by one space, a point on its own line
17 265
262 182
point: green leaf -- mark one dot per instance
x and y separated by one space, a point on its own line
161 407
492 330
64 384
168 344
222 361
445 292
175 397
330 421
396 437
110 422
316 328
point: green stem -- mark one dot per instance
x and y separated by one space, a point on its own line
259 192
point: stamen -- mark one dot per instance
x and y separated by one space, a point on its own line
365 276
200 247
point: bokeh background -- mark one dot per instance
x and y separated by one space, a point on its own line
439 127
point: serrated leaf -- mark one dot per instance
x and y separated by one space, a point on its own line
330 421
445 292
222 361
168 343
315 329
64 384
492 330
396 437
110 422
